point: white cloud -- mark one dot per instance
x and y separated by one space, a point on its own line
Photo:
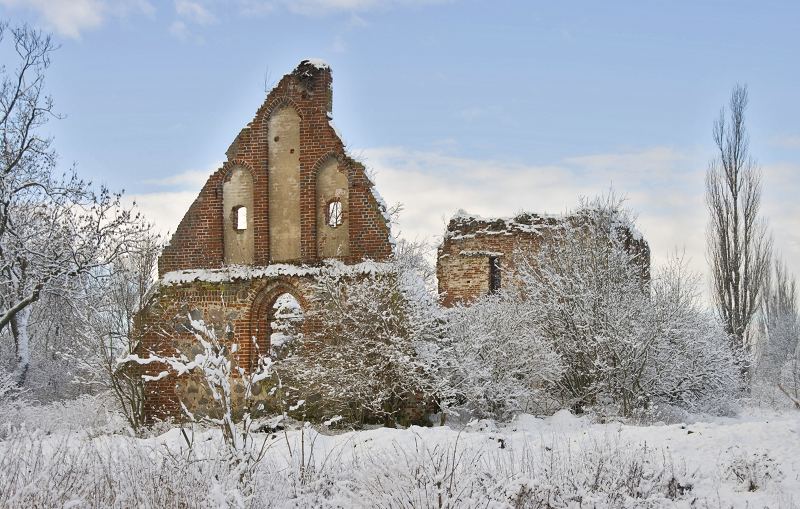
790 142
194 12
166 208
71 17
665 187
432 187
781 187
322 7
191 13
190 179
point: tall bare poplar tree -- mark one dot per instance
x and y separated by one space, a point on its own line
739 247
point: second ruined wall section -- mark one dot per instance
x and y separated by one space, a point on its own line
286 144
477 255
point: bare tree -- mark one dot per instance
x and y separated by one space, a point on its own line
739 247
53 227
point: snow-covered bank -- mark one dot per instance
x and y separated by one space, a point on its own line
560 461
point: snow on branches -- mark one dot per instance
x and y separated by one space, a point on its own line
625 342
215 365
360 354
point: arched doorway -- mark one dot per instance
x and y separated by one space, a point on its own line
285 320
275 318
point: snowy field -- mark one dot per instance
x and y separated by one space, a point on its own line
561 461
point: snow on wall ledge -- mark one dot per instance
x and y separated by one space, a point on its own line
466 225
243 272
463 224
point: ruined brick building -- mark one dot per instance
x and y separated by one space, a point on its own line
287 198
259 233
476 253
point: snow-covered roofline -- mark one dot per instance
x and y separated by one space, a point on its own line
463 224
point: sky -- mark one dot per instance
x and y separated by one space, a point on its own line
493 107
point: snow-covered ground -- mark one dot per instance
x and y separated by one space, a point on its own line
560 461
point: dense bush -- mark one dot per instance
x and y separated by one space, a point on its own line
583 324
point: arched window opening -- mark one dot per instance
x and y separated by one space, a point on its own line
239 217
334 213
286 317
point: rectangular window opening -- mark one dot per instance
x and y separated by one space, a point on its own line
241 218
494 274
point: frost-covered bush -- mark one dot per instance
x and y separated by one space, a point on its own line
90 413
596 472
776 367
751 470
41 471
625 342
690 363
215 364
497 362
8 387
359 359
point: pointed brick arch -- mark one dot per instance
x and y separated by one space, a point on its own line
332 183
237 188
277 104
261 312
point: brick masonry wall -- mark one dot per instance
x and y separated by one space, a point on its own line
245 306
238 311
462 266
198 240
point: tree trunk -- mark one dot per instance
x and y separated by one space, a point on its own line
19 328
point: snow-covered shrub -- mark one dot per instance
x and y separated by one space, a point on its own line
790 377
690 363
751 470
625 342
589 293
426 475
776 368
8 387
215 365
94 414
359 358
496 362
599 471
